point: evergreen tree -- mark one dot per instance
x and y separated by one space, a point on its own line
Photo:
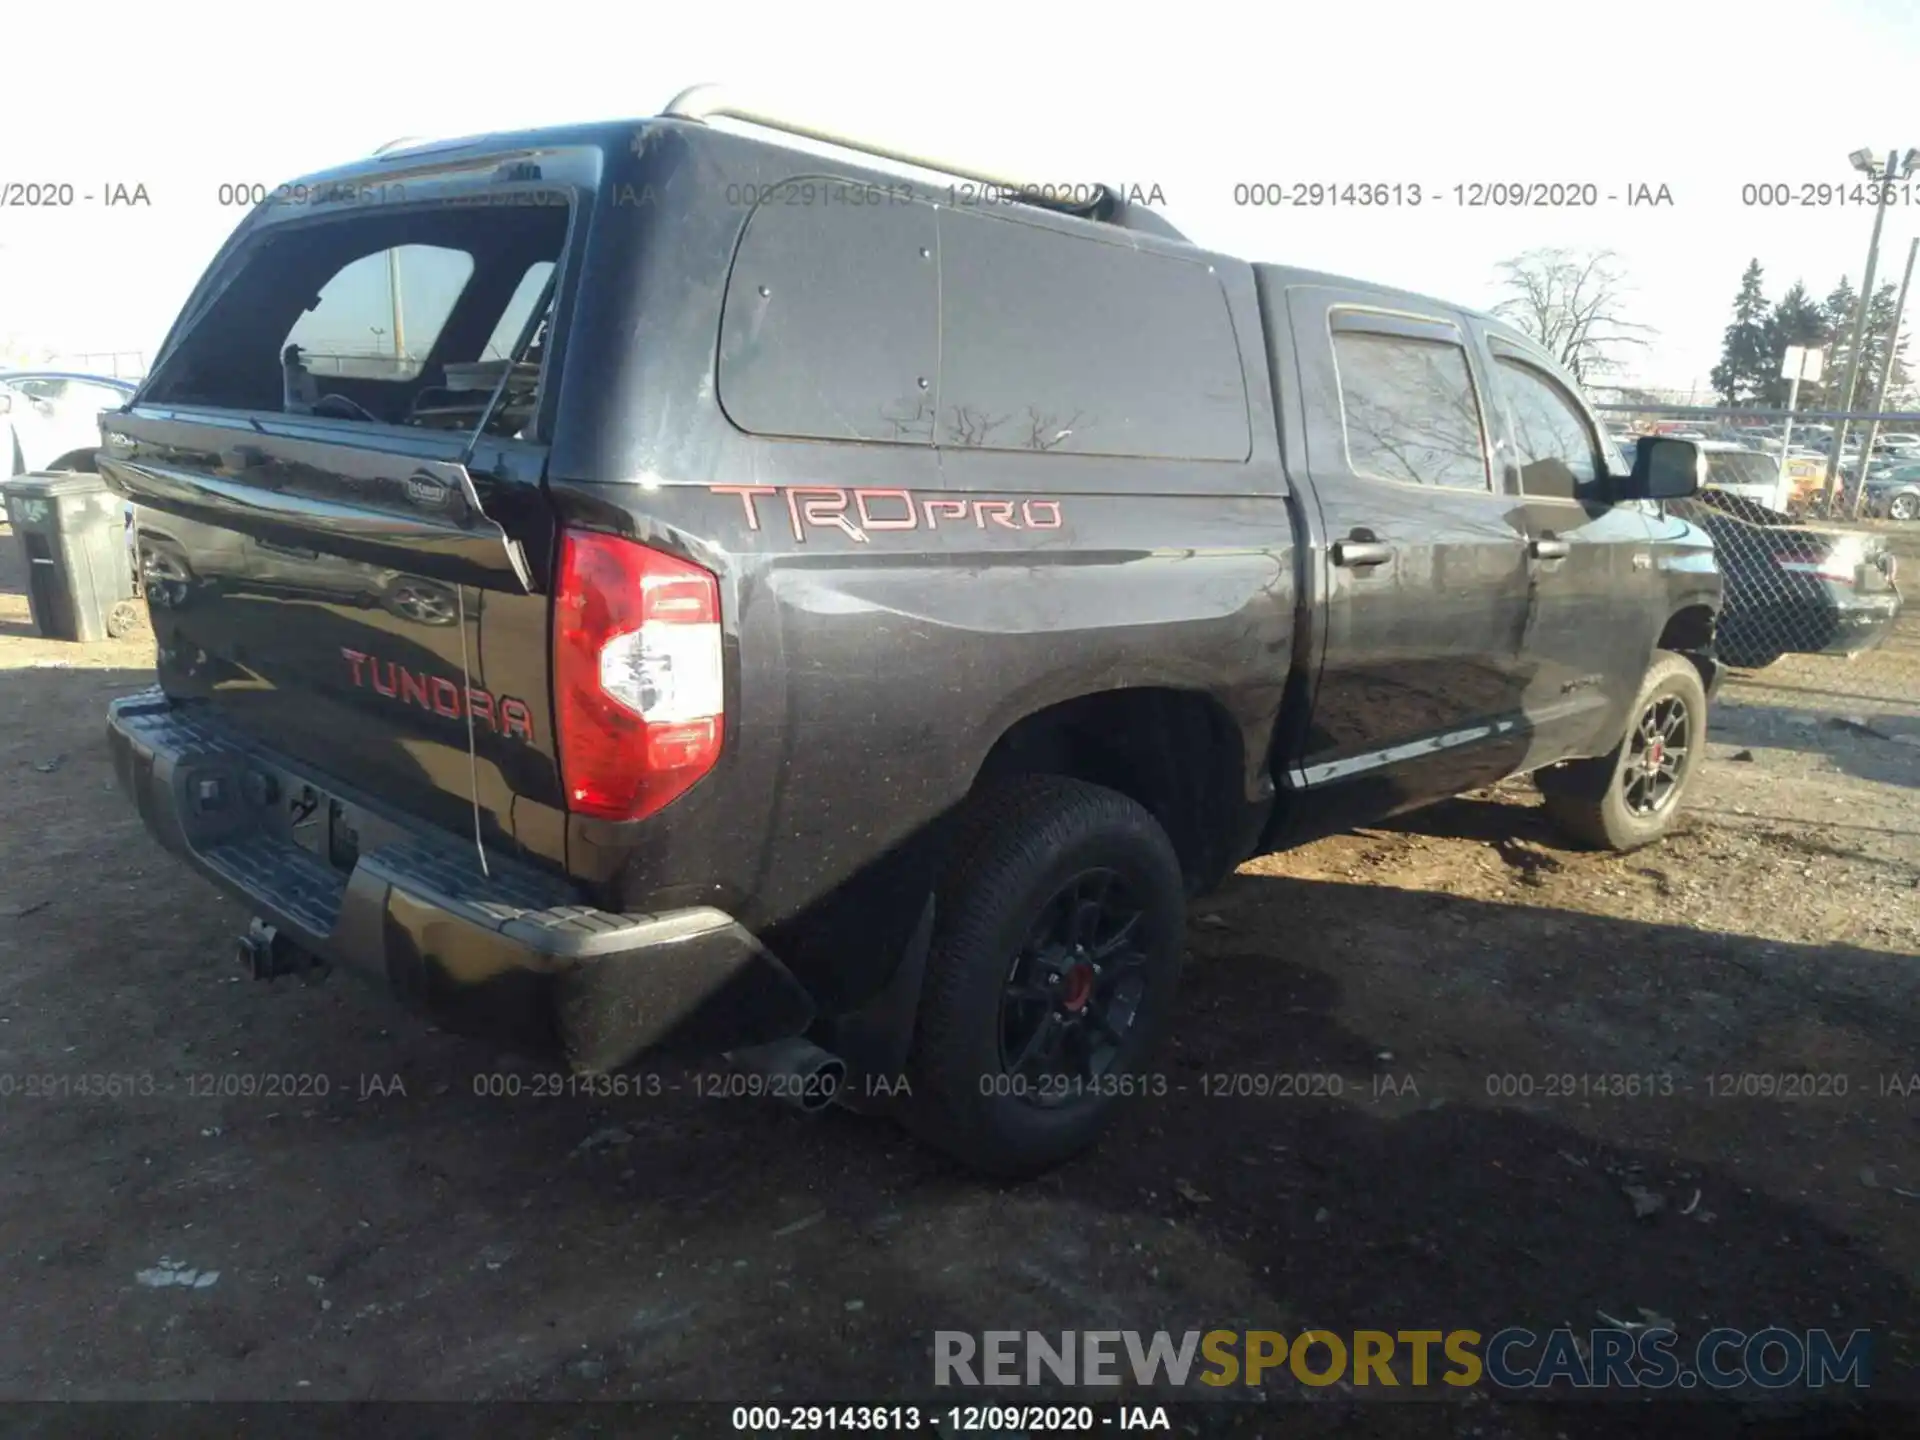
1796 320
1839 306
1742 372
1879 322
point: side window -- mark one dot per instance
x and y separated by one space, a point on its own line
1079 345
379 316
1556 450
860 321
1410 410
831 329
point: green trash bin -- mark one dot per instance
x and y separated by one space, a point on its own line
71 531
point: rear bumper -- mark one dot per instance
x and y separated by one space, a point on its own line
1864 625
514 953
1839 624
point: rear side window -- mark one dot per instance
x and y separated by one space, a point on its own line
1556 451
893 321
1410 410
1079 346
379 315
832 328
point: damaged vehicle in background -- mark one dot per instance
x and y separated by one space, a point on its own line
1794 586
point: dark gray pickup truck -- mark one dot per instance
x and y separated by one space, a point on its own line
656 590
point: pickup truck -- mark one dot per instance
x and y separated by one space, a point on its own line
774 607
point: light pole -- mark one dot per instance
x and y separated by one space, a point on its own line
1886 378
1897 168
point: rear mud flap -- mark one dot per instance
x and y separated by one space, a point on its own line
712 989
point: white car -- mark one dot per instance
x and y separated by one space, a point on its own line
1751 474
50 419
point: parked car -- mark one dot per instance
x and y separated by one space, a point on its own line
875 620
1894 493
50 419
1806 475
1751 474
1794 587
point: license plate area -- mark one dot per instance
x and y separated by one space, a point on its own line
333 830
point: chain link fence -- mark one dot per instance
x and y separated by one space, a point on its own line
118 364
1804 573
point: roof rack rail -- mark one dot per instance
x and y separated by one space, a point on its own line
420 142
714 102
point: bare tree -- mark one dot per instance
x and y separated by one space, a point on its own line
1045 432
1570 301
970 428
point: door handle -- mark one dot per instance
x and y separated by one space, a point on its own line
1550 549
1359 554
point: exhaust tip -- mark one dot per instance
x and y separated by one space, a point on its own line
799 1074
823 1085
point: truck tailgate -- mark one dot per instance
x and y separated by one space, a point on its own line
352 602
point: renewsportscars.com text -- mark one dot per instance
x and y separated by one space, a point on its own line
1514 1358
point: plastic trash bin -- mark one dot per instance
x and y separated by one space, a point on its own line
71 531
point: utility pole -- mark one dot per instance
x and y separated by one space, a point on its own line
1860 313
393 295
1886 378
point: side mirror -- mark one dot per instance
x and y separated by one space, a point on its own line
1664 469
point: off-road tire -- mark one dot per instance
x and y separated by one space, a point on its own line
1014 849
1586 799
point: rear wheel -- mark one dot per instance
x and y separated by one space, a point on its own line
128 617
1630 796
1055 958
1904 507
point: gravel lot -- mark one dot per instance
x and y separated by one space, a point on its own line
384 1231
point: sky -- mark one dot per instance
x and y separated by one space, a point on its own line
1704 98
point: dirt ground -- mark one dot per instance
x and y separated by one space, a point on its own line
386 1232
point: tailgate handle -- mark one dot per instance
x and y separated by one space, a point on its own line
1550 549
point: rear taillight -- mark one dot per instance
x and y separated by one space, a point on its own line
637 677
1837 565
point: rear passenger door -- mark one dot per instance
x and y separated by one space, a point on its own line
1592 622
1419 689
